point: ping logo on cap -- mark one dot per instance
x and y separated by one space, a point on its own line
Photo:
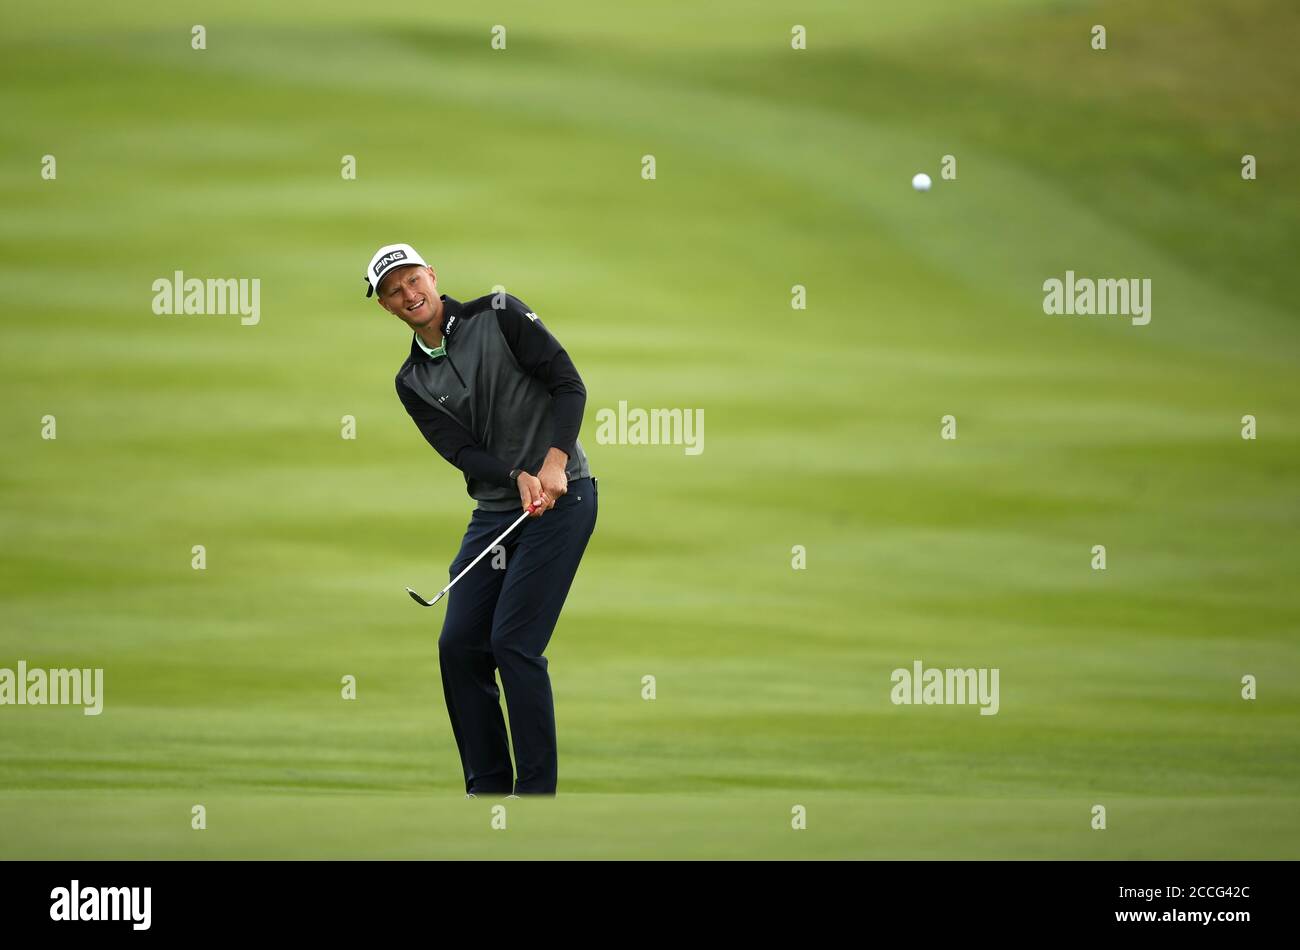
388 259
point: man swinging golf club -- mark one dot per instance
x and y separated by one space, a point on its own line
492 390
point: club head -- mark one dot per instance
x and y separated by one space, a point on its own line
421 601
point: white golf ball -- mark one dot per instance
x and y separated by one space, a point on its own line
921 181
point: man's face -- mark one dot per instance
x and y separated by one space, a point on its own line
411 293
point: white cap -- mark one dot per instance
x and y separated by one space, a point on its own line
386 258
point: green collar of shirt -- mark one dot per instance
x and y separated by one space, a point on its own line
440 351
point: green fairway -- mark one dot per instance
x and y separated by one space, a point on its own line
774 168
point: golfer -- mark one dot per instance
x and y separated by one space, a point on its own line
497 396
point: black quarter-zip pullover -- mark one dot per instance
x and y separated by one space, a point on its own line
497 395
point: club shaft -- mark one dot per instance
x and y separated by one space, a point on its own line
485 551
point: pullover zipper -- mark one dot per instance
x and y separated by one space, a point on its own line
456 371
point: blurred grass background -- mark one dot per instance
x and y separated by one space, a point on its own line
522 168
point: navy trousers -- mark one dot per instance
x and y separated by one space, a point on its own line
501 620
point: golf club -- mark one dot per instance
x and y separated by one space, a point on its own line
429 603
